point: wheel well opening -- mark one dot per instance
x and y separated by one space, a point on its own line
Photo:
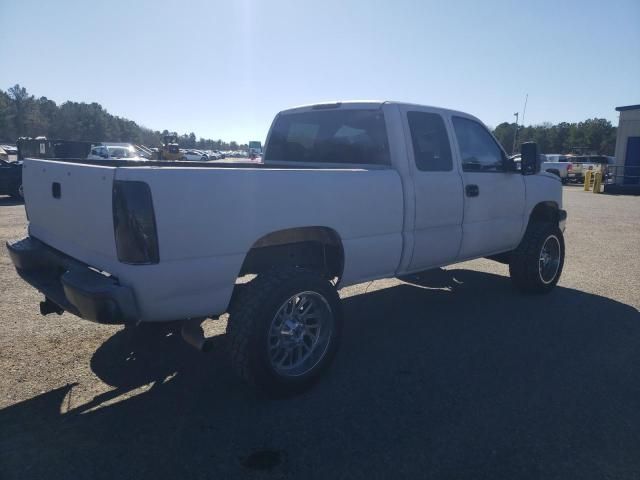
544 212
316 248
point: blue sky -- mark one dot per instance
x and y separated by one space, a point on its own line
223 69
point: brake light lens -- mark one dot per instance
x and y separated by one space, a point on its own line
134 223
570 166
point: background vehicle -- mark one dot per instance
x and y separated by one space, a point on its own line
11 179
108 152
348 192
8 153
194 155
169 150
145 152
582 163
560 169
556 163
255 149
42 147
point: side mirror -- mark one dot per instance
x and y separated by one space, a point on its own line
529 158
509 164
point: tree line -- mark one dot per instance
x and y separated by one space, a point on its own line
24 115
595 135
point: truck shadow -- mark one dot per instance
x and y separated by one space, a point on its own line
10 201
453 375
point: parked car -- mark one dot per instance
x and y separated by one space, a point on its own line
8 153
114 152
213 155
194 155
11 179
349 192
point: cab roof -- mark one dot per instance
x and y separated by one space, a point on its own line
368 104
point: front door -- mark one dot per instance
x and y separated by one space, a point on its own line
438 190
494 199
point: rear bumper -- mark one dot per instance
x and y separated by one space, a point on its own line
72 285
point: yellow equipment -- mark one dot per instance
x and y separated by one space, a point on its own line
587 180
169 149
597 182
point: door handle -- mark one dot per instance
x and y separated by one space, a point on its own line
472 190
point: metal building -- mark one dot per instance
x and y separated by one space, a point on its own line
627 167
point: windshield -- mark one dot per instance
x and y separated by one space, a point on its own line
121 152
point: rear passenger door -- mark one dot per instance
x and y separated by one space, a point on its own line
438 189
494 198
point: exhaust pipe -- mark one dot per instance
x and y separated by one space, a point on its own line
48 307
193 334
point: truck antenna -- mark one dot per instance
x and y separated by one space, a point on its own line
515 134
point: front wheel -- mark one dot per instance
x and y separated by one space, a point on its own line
284 329
536 265
18 193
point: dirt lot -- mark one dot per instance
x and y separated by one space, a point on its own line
454 375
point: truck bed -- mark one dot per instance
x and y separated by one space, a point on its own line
208 217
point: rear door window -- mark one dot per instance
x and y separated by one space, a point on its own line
330 136
431 147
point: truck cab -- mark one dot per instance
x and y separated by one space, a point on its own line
455 175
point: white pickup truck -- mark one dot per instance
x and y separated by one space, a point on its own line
580 164
348 192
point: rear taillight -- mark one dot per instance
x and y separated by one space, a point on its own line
134 223
569 167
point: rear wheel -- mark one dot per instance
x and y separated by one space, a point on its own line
284 329
536 265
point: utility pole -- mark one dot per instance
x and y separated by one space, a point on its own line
515 134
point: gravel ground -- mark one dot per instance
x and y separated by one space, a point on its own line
450 375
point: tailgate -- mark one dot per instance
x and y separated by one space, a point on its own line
69 206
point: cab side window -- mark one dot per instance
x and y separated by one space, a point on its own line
431 147
478 150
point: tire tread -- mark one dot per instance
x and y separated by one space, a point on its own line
245 313
523 267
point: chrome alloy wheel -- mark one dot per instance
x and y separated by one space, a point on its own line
300 334
549 261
